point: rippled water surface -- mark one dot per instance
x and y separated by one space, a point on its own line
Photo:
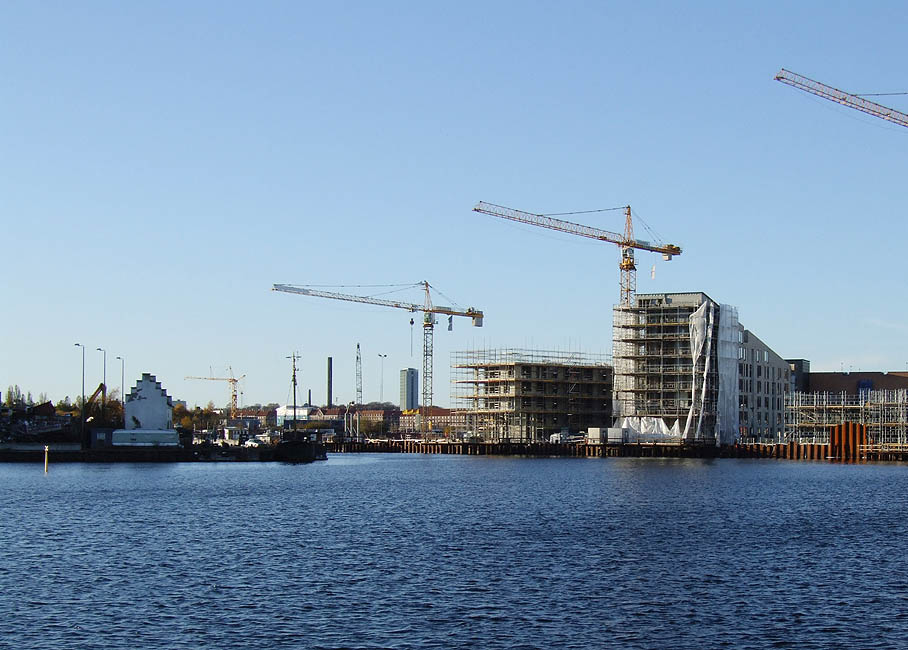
410 551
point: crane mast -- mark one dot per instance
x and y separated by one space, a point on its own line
359 393
841 97
428 356
628 243
429 310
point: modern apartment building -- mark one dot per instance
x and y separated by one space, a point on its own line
763 381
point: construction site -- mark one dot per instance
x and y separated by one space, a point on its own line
809 417
529 395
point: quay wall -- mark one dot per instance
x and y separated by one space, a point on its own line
848 443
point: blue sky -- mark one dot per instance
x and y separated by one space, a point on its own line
163 164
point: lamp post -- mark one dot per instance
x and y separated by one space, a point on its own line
381 390
104 381
82 408
123 386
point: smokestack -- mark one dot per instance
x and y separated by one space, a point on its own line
309 403
329 382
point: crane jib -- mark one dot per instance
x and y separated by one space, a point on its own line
475 314
572 228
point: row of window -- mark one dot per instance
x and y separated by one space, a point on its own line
758 418
763 387
747 370
752 354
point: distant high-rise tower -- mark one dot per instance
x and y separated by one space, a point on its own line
409 385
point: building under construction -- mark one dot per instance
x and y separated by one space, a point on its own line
514 394
676 367
810 416
687 370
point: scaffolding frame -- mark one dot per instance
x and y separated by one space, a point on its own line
524 395
810 416
654 371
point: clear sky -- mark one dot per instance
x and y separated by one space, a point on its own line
162 164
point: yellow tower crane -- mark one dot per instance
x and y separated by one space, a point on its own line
233 381
840 97
428 326
627 242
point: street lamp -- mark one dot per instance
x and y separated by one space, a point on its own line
104 380
122 386
82 409
381 393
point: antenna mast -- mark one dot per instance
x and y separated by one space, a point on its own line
293 358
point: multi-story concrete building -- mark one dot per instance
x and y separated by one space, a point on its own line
685 369
763 381
528 394
409 389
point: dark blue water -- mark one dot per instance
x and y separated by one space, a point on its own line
411 551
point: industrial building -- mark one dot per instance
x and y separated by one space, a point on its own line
853 382
687 370
409 389
514 394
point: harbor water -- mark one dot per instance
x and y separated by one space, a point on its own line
413 551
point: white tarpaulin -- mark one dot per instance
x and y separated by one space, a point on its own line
701 341
727 414
647 429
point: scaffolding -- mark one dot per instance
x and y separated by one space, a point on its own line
524 395
810 416
656 374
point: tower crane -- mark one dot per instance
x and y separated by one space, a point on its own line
359 392
840 97
233 381
428 326
627 242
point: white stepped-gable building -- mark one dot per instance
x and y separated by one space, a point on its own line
149 417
